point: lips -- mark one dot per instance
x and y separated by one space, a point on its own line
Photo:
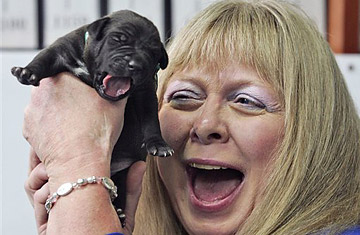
213 186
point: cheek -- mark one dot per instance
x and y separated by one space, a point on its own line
164 168
259 140
175 127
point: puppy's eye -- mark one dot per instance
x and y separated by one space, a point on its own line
119 38
123 37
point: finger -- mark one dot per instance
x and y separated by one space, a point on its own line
37 178
41 215
133 191
33 161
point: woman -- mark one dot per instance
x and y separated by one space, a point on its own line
265 133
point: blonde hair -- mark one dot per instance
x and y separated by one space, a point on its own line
314 184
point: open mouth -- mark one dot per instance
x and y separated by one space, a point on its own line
213 187
115 87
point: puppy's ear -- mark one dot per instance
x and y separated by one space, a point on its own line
95 29
164 59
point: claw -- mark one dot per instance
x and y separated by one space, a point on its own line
13 69
23 73
153 152
16 71
158 148
32 78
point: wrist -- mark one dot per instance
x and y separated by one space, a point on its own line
77 167
67 188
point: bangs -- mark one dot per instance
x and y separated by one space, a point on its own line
229 33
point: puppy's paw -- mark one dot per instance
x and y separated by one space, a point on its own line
25 76
158 148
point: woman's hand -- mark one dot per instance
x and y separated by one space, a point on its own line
72 132
71 128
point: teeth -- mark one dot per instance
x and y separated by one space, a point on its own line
207 167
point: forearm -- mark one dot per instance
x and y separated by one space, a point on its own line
87 209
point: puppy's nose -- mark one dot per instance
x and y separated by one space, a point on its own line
134 66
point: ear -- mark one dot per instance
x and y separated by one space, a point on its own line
164 60
95 29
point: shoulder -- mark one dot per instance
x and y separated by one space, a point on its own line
352 231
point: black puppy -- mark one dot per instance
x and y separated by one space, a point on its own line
119 56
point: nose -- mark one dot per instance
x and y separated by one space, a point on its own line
210 126
134 65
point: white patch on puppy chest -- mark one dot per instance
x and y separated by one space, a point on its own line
78 71
81 70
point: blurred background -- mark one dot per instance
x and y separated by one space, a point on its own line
28 26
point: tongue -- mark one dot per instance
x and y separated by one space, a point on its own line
213 185
116 86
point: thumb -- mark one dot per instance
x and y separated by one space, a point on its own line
133 192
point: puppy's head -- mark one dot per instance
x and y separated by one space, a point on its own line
124 51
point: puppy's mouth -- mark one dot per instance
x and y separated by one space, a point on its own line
115 87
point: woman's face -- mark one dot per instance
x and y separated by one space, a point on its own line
223 127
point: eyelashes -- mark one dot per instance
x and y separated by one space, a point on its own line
248 101
185 94
184 99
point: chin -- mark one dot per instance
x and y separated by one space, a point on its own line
226 220
211 227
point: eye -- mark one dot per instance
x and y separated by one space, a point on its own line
184 99
123 37
248 102
119 38
183 95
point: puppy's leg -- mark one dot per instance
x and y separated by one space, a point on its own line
147 110
47 63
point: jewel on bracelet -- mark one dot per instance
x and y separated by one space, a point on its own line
107 183
81 182
91 179
48 206
65 189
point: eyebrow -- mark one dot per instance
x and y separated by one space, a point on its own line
181 77
240 82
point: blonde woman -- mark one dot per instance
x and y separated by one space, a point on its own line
265 133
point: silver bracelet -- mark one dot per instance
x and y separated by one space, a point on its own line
67 188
